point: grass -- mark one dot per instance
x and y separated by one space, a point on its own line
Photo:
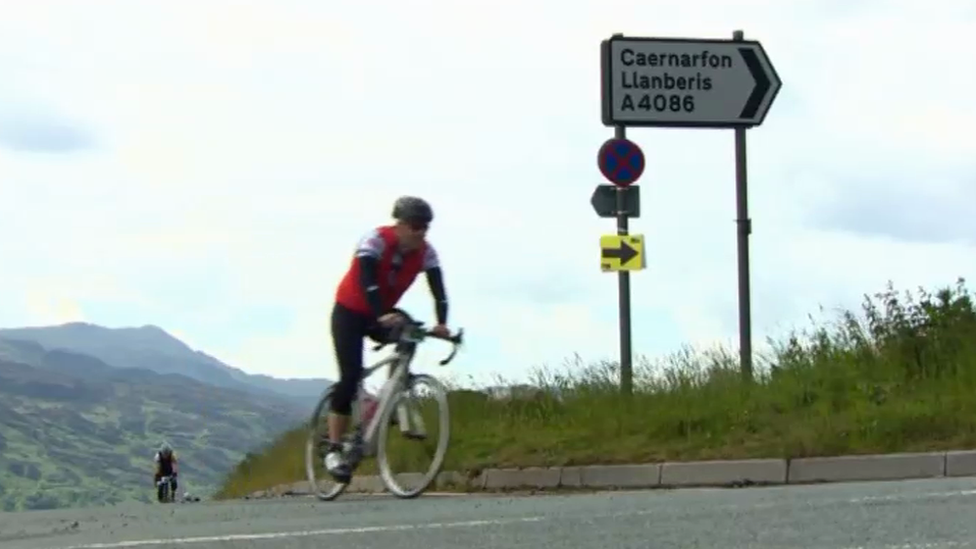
899 376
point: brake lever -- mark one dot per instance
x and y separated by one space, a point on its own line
456 339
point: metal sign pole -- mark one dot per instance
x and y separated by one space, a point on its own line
623 290
743 230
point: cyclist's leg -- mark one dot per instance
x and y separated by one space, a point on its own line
384 334
348 330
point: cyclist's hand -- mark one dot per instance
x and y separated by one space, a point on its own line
390 319
441 330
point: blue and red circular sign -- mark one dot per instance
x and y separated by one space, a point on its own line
621 161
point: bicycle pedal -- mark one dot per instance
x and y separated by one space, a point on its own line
415 436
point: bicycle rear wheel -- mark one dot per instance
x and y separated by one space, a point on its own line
423 397
320 482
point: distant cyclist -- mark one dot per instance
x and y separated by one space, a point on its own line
386 262
166 465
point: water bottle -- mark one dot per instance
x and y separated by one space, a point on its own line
370 405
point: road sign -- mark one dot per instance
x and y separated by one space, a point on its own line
604 200
622 252
681 82
621 161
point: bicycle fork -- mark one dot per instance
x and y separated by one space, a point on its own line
408 417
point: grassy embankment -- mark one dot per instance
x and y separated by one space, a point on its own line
900 376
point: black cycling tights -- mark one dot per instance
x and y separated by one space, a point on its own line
349 328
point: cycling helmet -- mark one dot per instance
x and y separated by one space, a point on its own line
165 449
412 210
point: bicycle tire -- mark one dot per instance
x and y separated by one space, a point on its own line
311 452
444 423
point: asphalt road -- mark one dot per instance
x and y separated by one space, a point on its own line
931 514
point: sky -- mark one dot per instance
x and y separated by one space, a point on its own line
207 167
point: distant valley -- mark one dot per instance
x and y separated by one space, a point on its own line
83 407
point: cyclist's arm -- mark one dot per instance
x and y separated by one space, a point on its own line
368 254
176 464
435 280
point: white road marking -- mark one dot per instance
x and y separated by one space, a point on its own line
923 545
913 496
300 533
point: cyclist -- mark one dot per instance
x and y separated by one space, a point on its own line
166 465
385 264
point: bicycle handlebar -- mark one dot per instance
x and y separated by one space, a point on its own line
457 339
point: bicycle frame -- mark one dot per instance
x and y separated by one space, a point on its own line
411 335
402 357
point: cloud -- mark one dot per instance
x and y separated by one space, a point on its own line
241 152
922 207
41 135
32 125
47 307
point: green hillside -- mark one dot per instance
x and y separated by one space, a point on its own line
76 431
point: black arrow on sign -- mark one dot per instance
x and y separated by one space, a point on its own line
762 83
624 253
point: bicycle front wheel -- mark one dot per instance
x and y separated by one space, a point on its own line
421 433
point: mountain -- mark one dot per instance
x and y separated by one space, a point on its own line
76 430
152 348
83 408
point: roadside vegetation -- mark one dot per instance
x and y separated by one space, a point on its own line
899 375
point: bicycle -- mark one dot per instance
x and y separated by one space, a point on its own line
395 395
164 490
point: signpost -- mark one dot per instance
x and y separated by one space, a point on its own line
604 200
680 83
621 161
622 253
686 83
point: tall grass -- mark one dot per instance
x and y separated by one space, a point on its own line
899 376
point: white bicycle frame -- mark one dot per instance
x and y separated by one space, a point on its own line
390 387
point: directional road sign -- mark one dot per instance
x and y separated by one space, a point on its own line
622 252
680 82
621 161
604 200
